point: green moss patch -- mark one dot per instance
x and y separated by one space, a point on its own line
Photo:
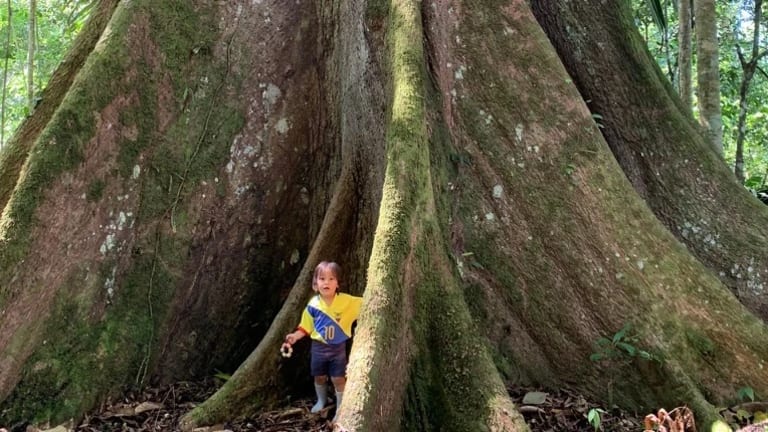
79 358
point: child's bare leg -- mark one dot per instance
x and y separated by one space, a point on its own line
321 379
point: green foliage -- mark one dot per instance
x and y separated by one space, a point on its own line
755 182
58 23
594 418
617 350
620 347
658 14
734 28
746 393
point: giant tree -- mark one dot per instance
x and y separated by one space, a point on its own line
503 185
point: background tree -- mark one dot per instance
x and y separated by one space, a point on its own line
656 20
708 72
732 20
32 36
54 26
748 66
6 57
191 161
684 52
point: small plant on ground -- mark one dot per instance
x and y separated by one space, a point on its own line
746 393
594 417
619 350
749 414
622 346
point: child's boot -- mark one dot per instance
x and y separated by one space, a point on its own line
322 397
339 395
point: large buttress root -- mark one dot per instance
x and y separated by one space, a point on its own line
255 383
417 350
345 232
660 148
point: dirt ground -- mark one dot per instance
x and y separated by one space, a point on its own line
159 409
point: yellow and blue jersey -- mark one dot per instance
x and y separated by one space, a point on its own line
330 324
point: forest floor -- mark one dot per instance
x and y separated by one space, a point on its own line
159 409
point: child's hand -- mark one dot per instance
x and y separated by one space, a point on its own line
291 339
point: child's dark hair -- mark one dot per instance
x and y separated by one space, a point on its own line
326 265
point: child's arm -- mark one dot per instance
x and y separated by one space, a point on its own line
292 338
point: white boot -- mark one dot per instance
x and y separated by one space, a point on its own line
322 397
339 395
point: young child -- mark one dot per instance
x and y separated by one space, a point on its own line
327 320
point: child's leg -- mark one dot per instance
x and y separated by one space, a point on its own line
321 390
319 367
338 372
339 383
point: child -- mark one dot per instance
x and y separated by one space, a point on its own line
327 320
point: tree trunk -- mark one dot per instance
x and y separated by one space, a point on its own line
6 57
748 68
660 149
684 52
207 155
31 47
708 72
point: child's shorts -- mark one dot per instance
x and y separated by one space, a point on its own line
328 359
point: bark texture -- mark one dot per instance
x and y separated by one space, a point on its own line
208 154
708 72
684 52
660 149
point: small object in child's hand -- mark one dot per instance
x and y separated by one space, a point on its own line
286 350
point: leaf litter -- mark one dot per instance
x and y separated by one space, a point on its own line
161 408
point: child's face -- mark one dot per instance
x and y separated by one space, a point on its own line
327 284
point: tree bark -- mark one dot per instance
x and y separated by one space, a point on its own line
684 52
167 217
708 72
660 149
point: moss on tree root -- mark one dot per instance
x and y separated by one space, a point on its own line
576 252
83 351
412 301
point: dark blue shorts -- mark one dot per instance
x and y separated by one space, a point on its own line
328 359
